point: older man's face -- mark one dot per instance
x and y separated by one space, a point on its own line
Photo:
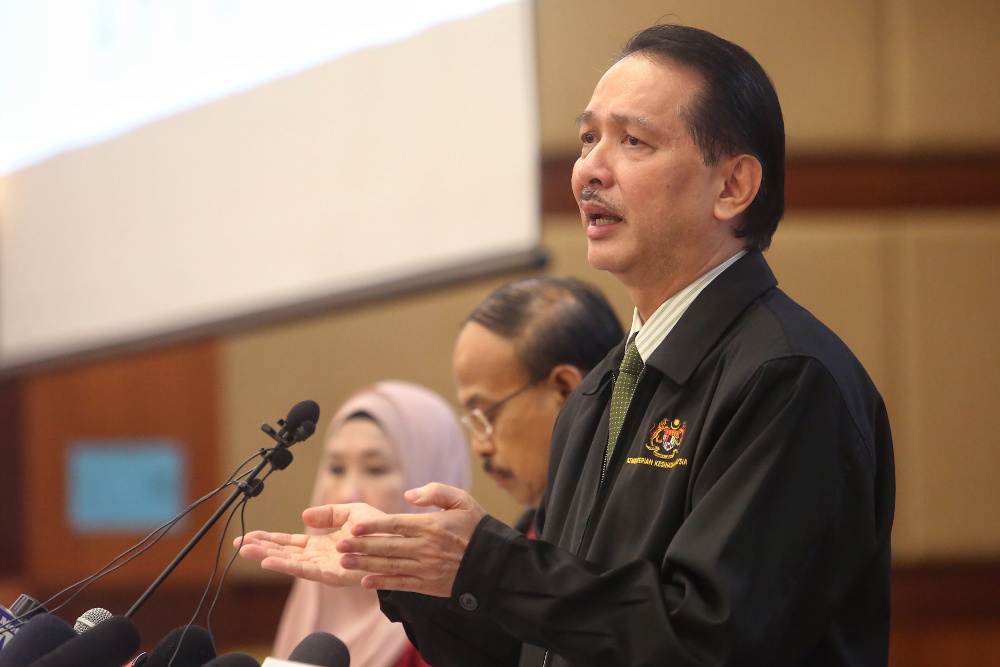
516 454
646 196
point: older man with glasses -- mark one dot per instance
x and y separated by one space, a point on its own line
518 356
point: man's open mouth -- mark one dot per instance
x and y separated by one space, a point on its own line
603 219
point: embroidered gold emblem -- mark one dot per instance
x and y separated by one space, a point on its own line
665 438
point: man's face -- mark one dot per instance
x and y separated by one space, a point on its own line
516 454
646 196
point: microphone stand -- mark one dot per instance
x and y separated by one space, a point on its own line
279 457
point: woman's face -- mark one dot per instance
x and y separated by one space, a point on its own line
363 466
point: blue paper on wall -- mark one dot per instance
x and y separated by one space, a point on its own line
124 485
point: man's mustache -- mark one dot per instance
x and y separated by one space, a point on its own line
590 194
491 469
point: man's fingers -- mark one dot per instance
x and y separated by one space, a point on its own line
327 516
243 540
439 495
409 525
403 583
309 569
253 537
396 566
253 551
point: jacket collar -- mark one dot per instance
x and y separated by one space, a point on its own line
710 315
700 327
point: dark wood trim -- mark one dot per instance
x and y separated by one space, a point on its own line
946 592
11 458
916 181
846 182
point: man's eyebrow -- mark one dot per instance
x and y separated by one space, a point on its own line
619 118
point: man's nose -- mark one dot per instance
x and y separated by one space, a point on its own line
483 446
594 168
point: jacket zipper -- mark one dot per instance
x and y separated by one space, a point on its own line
607 459
604 470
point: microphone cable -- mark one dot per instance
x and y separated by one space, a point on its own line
241 508
158 532
299 425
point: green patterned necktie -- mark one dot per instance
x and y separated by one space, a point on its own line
621 395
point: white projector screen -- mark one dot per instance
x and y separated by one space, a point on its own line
408 161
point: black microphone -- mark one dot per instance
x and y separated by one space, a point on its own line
108 644
299 424
36 637
192 644
320 649
233 660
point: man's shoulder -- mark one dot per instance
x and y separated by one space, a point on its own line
776 326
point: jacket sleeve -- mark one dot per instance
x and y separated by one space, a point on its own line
779 530
445 638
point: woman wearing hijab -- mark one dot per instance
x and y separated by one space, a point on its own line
385 439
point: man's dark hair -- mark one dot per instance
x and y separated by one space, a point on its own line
552 321
736 113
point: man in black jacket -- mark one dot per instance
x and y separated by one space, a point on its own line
721 487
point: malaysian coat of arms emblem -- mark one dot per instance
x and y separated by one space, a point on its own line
666 437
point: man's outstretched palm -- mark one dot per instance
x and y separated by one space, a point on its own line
313 557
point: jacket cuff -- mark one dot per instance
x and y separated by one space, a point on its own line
482 567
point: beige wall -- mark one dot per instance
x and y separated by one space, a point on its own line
852 75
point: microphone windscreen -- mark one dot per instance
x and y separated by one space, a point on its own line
302 412
109 644
196 648
36 637
321 649
233 660
91 618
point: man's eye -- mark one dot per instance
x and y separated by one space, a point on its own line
632 141
587 137
377 471
337 470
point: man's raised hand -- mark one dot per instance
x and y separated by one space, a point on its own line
313 557
413 552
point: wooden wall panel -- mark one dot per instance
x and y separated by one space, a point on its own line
169 393
947 372
11 457
941 87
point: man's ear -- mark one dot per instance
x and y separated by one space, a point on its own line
564 378
742 175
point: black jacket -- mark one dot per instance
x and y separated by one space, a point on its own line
744 517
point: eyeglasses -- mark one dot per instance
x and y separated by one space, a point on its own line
477 421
